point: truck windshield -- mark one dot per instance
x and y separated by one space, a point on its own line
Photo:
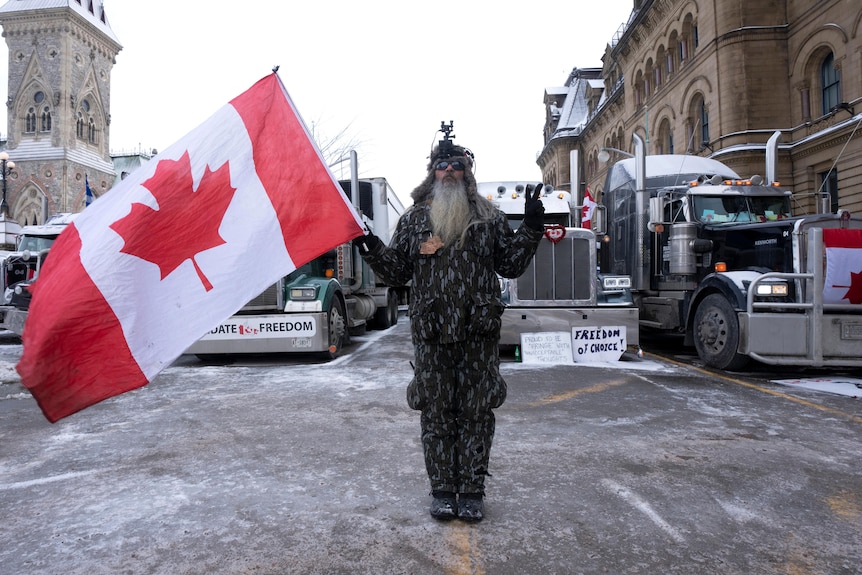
561 219
733 209
35 243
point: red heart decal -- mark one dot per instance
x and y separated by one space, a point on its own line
555 233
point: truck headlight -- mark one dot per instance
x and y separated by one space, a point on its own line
616 282
303 293
771 289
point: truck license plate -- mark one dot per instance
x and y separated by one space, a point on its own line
302 342
851 331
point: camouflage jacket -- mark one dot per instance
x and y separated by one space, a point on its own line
455 293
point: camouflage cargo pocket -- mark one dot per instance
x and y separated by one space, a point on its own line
414 401
425 320
485 315
497 391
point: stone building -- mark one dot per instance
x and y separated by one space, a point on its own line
717 79
61 53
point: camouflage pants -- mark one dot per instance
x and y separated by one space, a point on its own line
456 386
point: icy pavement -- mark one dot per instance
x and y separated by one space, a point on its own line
278 465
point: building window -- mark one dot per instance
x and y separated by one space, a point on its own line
704 124
829 185
30 121
85 127
665 144
46 119
830 81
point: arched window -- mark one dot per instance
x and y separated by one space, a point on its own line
30 121
640 95
46 119
648 81
86 128
665 138
830 83
698 124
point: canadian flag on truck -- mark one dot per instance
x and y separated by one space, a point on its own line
587 210
176 248
843 282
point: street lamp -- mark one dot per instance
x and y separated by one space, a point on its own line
604 156
6 168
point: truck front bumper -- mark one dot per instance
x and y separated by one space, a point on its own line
13 319
518 320
277 333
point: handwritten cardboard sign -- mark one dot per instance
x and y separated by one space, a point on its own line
605 343
552 347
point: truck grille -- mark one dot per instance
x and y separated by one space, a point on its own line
561 272
268 300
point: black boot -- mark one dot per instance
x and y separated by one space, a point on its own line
471 507
444 505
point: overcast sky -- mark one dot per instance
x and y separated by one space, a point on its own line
387 70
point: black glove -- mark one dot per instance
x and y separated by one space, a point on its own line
367 244
534 211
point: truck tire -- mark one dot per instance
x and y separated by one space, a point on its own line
716 334
387 316
337 323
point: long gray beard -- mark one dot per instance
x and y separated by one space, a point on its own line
450 212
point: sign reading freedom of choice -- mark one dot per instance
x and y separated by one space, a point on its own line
584 345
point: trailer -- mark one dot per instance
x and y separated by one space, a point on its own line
723 261
561 290
321 304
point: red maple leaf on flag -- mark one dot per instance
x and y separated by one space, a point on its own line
186 222
854 294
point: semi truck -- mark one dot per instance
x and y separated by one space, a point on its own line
321 304
723 261
21 268
561 290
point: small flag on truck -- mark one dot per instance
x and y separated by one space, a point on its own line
587 210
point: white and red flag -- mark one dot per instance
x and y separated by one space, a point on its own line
176 248
843 282
587 210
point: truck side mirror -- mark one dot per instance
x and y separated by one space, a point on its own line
600 220
656 212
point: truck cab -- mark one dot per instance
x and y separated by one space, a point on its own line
21 268
561 289
722 260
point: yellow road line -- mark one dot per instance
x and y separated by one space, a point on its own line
464 538
576 392
798 400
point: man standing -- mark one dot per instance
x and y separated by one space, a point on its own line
452 243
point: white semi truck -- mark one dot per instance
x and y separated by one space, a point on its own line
21 268
561 289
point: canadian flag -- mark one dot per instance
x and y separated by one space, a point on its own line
843 282
587 210
176 248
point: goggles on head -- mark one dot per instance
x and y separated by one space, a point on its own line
456 165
